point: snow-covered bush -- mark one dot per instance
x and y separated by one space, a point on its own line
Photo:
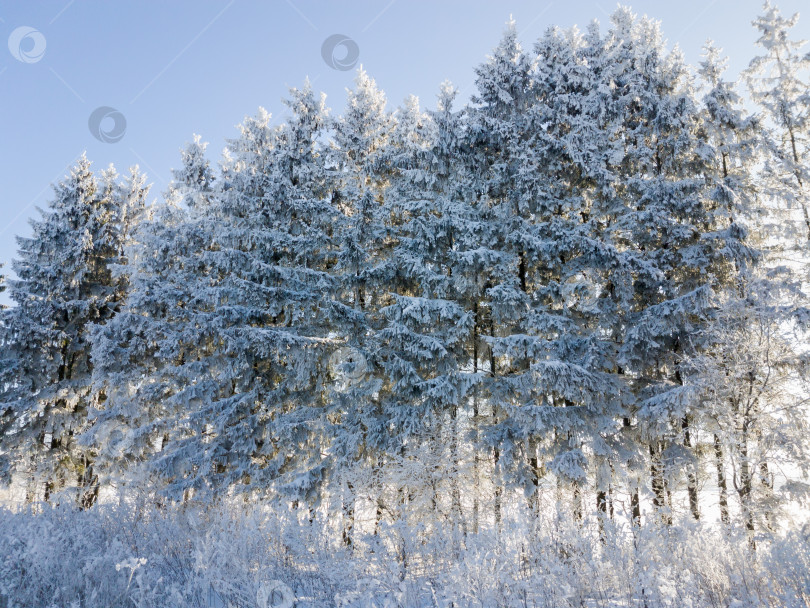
124 555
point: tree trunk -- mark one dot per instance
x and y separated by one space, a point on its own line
767 489
454 488
601 508
31 486
721 480
744 489
496 453
534 499
403 496
476 331
691 476
348 515
796 161
658 484
87 486
378 514
635 504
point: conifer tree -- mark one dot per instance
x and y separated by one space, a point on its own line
65 288
224 319
363 238
754 338
426 328
733 137
665 217
778 81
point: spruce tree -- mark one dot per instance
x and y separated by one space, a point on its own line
225 319
778 81
363 237
65 287
666 218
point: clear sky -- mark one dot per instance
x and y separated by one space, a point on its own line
171 69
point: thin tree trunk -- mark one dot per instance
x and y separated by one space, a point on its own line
476 329
766 483
348 515
496 453
797 162
767 488
635 503
534 499
601 508
558 494
691 476
658 485
531 452
744 489
403 496
378 514
87 486
31 486
454 488
721 480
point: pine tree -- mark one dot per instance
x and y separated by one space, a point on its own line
751 346
543 171
193 183
225 319
778 82
666 218
734 139
364 238
497 266
65 288
424 338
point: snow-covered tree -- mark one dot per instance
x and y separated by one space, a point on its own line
65 288
423 340
570 287
363 237
733 137
496 270
752 346
667 219
221 335
750 379
778 81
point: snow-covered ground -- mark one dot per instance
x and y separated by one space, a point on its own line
135 554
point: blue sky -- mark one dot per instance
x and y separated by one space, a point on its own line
177 68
